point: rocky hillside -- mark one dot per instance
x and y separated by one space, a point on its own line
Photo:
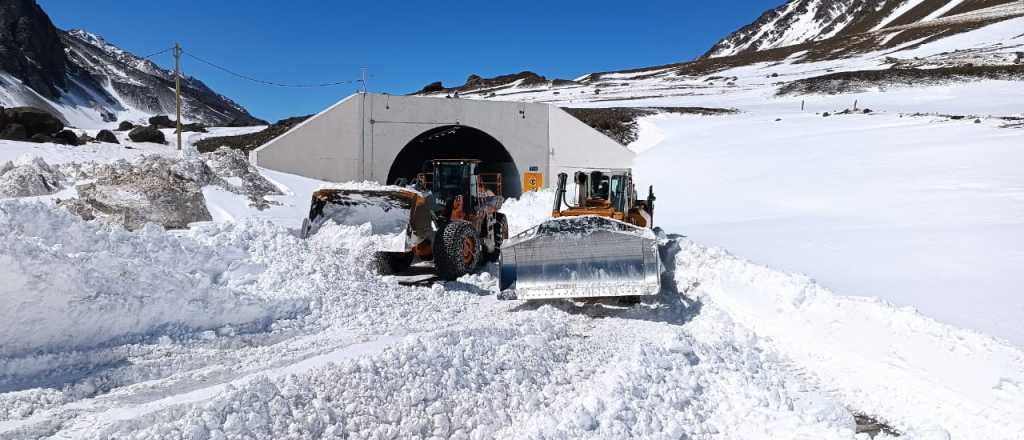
922 43
480 85
90 82
804 21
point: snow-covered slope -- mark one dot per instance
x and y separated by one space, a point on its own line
802 21
141 87
983 42
89 82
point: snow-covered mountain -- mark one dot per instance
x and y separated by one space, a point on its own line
958 42
803 21
90 82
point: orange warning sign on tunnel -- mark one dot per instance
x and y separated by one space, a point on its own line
533 181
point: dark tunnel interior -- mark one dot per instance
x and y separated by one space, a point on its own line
457 142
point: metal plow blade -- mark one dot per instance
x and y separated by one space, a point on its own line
387 211
580 257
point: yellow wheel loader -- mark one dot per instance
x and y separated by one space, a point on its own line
453 222
600 245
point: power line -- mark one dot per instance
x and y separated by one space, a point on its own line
264 82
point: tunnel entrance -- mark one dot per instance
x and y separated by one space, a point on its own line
457 142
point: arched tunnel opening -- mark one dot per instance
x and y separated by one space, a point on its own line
457 142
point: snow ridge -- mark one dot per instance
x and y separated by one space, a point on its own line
804 21
73 284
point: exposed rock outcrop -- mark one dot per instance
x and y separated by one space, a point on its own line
99 80
251 141
34 120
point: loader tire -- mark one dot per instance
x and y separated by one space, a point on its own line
500 234
456 250
391 263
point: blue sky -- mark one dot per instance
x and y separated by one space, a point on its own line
405 45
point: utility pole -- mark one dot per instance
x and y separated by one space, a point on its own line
177 88
363 71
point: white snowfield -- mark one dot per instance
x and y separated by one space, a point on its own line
238 329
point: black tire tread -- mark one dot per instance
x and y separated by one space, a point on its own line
448 250
499 236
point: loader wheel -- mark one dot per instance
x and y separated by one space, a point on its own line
500 234
456 250
391 263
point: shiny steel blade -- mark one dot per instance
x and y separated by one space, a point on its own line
580 257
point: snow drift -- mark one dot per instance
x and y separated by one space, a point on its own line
67 283
874 356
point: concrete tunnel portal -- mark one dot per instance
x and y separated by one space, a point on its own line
457 142
383 138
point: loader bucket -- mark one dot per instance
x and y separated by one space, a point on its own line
580 257
387 211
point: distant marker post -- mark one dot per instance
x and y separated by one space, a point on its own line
177 89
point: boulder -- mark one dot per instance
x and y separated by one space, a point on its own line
14 132
147 134
194 127
162 121
35 120
41 138
125 126
107 136
66 137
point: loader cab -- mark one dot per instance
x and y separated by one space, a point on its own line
449 180
605 189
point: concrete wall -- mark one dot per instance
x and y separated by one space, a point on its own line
574 146
325 146
360 137
521 128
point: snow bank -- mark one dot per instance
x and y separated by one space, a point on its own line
883 360
66 283
518 376
528 210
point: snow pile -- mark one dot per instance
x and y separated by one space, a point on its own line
880 359
69 283
167 191
236 174
29 176
528 210
150 190
522 376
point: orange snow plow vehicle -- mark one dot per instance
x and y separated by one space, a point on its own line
454 222
602 245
